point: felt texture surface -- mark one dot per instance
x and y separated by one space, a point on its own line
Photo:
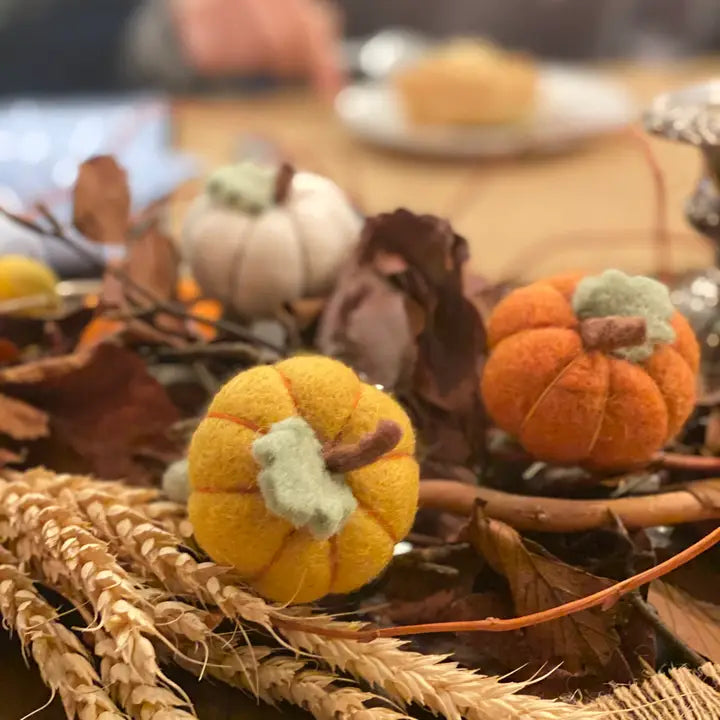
362 550
685 342
372 405
325 395
569 405
237 529
220 456
295 483
246 186
386 488
258 396
175 481
676 382
565 421
615 293
255 262
301 571
565 283
233 522
535 306
520 369
635 421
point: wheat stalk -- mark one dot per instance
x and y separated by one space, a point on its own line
48 531
64 664
430 680
406 677
157 551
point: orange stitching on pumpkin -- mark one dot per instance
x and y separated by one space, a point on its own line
334 560
252 490
288 386
248 424
596 434
379 520
544 393
344 426
668 436
283 545
396 455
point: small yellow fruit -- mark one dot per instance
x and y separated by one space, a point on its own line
252 452
25 277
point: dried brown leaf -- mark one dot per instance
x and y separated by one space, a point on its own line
102 200
539 581
22 421
104 406
695 622
152 262
399 315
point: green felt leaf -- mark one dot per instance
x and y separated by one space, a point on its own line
246 186
295 482
615 293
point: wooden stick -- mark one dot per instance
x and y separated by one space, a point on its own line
545 514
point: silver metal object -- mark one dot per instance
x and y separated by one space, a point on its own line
691 115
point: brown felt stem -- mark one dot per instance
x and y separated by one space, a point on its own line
613 332
283 181
345 458
546 514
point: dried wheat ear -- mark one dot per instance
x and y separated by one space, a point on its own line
118 555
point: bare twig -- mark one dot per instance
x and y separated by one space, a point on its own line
648 612
167 306
693 463
604 598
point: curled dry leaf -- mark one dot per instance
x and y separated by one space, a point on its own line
695 622
105 409
152 262
399 316
101 200
585 641
22 421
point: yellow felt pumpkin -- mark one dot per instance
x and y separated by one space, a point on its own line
302 478
597 370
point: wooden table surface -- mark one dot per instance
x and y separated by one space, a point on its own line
592 207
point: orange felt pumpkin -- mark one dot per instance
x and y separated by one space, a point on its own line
598 371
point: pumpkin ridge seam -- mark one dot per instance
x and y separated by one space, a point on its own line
356 402
238 258
664 402
304 254
247 424
549 387
378 519
276 555
288 386
568 300
596 434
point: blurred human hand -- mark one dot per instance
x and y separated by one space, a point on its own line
286 38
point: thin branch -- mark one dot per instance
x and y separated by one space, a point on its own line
648 612
231 350
547 514
605 598
693 463
169 307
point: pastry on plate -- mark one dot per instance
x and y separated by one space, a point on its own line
468 82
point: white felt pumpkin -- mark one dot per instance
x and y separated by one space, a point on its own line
260 236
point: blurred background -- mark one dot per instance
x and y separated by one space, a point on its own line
175 87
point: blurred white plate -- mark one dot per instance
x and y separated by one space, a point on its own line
573 104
